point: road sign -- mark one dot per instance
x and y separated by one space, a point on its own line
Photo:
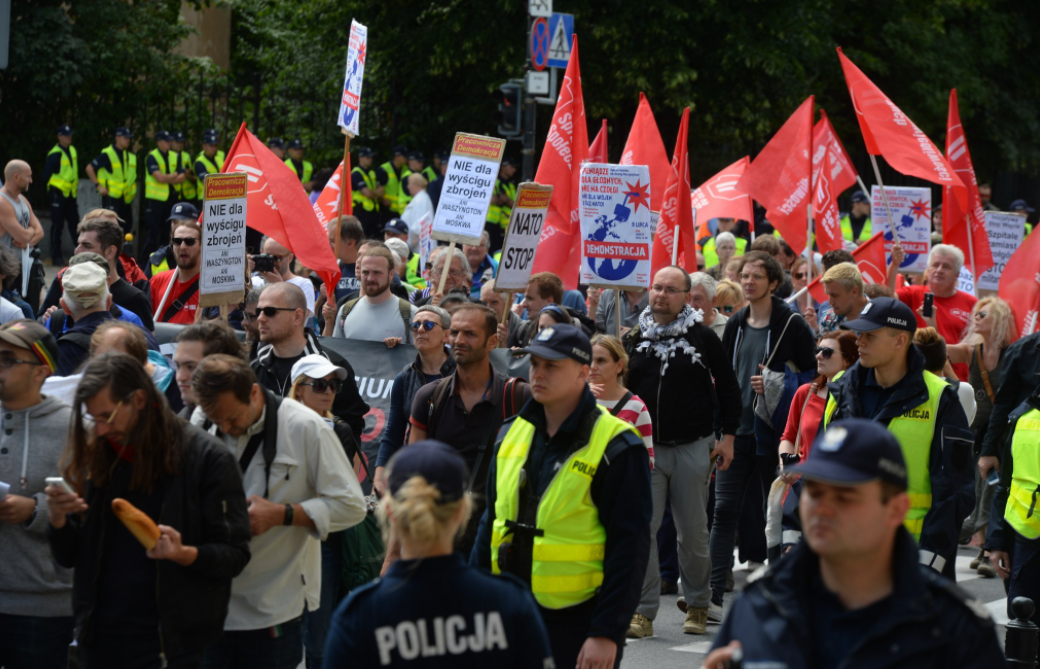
537 83
561 34
539 46
541 8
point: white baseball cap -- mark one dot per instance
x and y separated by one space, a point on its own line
316 367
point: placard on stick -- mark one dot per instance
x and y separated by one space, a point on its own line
616 241
522 235
912 211
223 277
469 185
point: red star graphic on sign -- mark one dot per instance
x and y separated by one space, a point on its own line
919 209
361 53
638 194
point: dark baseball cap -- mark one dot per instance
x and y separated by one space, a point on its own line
276 143
65 130
177 136
29 334
509 161
396 225
163 136
883 312
440 464
853 452
295 143
400 150
1022 205
183 211
442 155
122 131
365 152
417 155
860 196
211 136
559 342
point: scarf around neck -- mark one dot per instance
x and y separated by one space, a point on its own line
664 340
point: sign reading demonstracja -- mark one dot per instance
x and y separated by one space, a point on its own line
468 186
350 103
912 211
224 236
615 225
522 235
1006 231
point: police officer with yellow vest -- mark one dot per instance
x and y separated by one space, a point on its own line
569 503
1013 537
855 225
889 385
416 160
366 193
389 177
501 203
61 174
163 173
303 169
186 191
277 146
114 173
210 160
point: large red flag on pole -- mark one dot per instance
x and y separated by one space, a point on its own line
566 148
645 147
677 210
780 177
598 149
722 197
975 243
826 144
278 206
889 132
870 259
1020 285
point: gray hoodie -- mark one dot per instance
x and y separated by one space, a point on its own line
31 443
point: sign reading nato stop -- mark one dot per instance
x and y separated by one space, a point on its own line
616 228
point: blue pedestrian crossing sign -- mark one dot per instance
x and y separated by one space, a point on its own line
561 35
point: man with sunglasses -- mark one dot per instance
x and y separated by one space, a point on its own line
165 257
180 300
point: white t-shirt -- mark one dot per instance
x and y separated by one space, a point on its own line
301 282
370 322
9 311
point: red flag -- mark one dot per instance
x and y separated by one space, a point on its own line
645 147
677 209
827 144
955 231
889 132
780 176
1020 284
327 204
278 206
870 259
722 196
598 150
566 148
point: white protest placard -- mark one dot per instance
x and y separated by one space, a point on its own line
223 277
468 186
616 240
426 245
350 103
912 211
965 281
522 235
1006 231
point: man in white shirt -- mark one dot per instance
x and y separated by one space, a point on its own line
378 314
300 487
283 265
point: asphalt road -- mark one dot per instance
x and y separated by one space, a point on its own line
669 647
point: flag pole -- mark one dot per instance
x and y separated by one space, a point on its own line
971 256
446 267
884 197
675 245
862 185
808 248
342 191
617 310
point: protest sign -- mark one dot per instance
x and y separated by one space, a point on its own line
469 184
223 278
350 103
966 282
522 235
912 216
426 245
616 239
1006 231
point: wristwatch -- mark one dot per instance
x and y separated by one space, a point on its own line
288 515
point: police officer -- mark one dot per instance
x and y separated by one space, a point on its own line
389 177
853 594
415 163
855 225
114 174
366 192
277 146
303 169
61 174
163 173
164 257
501 203
888 384
431 609
186 191
210 160
569 504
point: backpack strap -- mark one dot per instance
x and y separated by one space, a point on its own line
268 438
405 308
181 301
436 401
984 373
621 403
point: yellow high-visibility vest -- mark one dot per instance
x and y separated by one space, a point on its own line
67 178
153 189
357 197
120 180
1021 512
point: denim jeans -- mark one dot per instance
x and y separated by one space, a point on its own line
32 642
316 623
258 649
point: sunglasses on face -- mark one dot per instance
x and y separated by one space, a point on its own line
980 315
423 325
270 312
824 352
799 275
186 241
322 385
727 308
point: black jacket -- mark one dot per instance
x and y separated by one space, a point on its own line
206 503
950 456
1021 370
687 401
930 623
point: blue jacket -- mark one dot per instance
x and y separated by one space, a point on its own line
406 385
928 623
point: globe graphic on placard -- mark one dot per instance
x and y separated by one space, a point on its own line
608 269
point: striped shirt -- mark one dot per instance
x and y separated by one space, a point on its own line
635 412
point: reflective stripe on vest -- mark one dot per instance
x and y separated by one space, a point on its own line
392 190
567 560
187 187
121 180
161 267
498 214
211 166
308 170
914 431
430 174
67 179
846 229
366 203
153 190
711 257
1021 512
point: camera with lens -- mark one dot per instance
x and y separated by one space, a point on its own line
263 262
789 459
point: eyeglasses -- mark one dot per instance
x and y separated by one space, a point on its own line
799 275
111 416
423 325
824 352
7 361
728 308
271 312
186 241
322 385
667 290
453 273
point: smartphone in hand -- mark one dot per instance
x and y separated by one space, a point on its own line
928 310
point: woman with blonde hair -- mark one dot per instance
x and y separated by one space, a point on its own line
432 609
729 297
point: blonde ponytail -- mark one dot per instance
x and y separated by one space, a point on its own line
417 513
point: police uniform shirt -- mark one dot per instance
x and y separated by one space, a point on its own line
53 164
173 166
835 629
873 397
357 180
102 162
438 612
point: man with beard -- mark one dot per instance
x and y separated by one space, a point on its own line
175 292
378 314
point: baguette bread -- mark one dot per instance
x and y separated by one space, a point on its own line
139 524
